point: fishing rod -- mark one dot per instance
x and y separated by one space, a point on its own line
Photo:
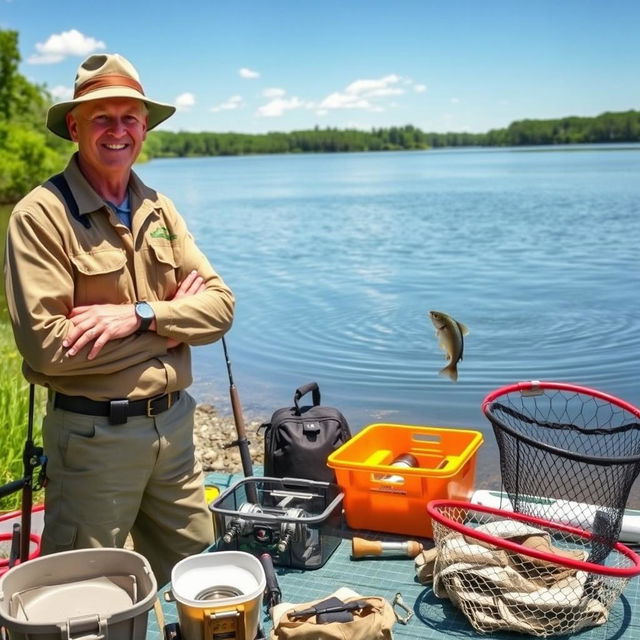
241 442
30 460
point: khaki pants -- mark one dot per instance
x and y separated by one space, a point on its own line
106 481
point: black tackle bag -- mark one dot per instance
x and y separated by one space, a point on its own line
298 440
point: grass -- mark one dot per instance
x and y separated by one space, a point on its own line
14 398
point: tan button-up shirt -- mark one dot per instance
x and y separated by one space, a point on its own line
54 263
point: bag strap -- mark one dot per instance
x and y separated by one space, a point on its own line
300 391
61 184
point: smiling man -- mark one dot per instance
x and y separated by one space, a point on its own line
107 290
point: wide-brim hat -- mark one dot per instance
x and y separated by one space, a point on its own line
100 76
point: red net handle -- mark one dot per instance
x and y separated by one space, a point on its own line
434 508
531 386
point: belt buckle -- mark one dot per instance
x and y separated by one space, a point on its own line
150 401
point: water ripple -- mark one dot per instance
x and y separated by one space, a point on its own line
335 261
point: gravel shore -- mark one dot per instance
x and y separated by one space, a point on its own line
212 432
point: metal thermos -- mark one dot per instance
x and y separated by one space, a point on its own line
405 460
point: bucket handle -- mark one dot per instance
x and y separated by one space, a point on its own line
91 627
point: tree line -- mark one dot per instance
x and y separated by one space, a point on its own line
29 153
605 128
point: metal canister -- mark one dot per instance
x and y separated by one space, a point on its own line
406 460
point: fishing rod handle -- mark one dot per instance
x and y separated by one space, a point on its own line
238 417
273 588
361 548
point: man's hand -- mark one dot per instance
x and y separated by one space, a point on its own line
191 285
104 322
99 322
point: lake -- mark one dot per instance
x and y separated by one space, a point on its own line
336 259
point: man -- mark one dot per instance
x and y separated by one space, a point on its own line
107 291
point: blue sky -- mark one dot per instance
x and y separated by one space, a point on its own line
278 65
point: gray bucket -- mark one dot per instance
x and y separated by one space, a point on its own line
85 594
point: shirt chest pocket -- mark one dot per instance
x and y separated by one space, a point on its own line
162 270
101 277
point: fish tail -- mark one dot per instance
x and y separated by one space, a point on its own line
450 371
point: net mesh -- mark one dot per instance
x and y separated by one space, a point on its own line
499 589
568 456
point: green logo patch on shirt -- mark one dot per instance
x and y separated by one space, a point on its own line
163 232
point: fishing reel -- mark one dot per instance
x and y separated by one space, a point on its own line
290 531
241 526
281 529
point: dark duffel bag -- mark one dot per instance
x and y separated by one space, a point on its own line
298 440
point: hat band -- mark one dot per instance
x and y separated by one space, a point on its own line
107 80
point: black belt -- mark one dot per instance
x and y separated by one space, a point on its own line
117 410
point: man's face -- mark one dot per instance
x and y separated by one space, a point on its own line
109 132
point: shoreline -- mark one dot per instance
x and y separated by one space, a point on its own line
212 432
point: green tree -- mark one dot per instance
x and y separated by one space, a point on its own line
9 59
25 161
28 154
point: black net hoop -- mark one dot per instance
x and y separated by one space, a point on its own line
567 453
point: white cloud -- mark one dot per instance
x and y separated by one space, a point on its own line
184 101
385 91
278 106
366 94
61 45
248 73
344 101
61 93
273 92
363 94
373 86
455 100
234 102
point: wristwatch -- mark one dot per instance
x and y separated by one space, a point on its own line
146 315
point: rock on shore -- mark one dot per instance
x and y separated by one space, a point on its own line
212 432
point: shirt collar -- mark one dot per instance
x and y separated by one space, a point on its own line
89 201
86 198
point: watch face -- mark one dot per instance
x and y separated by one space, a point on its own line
146 315
144 311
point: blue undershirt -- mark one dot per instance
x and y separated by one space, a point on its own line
123 210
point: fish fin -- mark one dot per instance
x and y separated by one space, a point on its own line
464 330
450 371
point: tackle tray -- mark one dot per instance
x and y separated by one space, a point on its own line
298 522
383 497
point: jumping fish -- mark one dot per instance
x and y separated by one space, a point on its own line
450 332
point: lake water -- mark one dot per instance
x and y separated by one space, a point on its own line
336 259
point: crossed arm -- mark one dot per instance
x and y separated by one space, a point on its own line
55 337
101 323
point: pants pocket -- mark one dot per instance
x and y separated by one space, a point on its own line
58 536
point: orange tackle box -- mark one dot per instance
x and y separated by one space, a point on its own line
382 497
